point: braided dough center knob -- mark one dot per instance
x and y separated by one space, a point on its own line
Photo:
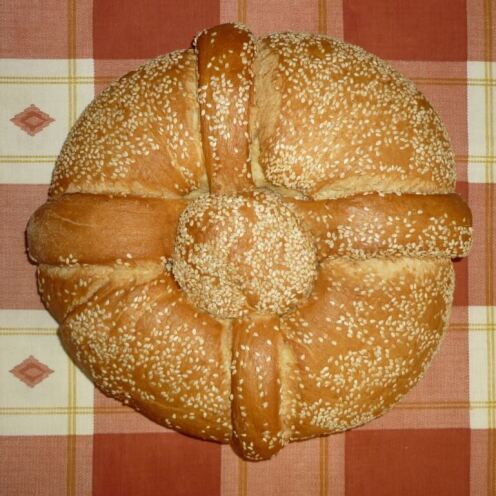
246 252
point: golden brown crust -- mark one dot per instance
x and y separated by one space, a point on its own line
240 253
343 268
363 339
334 120
225 92
140 136
100 229
386 225
64 288
258 431
143 344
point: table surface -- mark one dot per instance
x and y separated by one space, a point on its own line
59 436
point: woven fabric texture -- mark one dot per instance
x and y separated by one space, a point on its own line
59 436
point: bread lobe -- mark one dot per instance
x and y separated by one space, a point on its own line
140 136
334 120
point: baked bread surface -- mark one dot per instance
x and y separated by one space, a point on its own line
250 241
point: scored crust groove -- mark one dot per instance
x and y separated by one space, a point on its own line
250 241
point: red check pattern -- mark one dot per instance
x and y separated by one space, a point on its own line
58 436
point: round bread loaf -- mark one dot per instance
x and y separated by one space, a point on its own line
250 241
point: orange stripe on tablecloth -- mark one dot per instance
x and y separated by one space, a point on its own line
336 464
36 80
323 446
491 381
454 81
72 60
64 410
242 478
71 430
478 459
72 400
447 405
242 468
9 157
481 159
26 159
28 331
322 5
69 80
242 8
40 331
491 481
293 472
81 410
28 162
229 467
472 327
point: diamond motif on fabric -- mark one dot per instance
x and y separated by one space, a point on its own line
32 120
31 371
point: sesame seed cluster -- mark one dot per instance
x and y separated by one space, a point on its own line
339 119
250 241
383 226
142 343
236 254
140 136
385 321
225 89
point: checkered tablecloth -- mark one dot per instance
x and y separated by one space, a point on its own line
60 436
